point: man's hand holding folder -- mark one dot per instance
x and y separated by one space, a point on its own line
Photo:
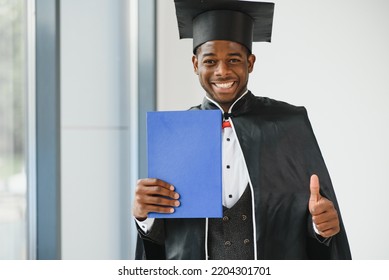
154 195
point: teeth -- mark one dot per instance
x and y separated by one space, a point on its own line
224 85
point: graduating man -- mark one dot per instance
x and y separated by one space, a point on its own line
274 206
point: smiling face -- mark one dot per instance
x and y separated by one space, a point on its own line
223 68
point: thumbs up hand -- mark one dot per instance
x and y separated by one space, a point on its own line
324 215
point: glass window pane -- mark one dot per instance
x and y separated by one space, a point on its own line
13 185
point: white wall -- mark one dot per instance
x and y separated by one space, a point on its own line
95 210
332 57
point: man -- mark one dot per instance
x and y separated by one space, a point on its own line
274 205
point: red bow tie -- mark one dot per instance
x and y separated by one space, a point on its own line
226 124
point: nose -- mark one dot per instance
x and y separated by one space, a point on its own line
222 69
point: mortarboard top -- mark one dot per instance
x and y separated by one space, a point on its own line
232 20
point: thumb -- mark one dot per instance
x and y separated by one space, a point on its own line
315 191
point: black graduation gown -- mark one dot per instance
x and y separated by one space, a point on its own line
281 153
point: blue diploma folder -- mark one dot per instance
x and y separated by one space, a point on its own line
184 149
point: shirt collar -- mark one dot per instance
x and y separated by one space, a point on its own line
241 105
230 109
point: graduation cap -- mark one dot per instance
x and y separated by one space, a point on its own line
232 20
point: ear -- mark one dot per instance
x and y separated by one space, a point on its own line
195 64
251 60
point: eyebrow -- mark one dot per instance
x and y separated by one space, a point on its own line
208 54
235 54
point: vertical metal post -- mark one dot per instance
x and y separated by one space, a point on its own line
48 129
147 73
31 133
133 111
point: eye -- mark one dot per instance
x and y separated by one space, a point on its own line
234 60
209 62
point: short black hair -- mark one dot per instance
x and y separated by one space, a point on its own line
195 51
